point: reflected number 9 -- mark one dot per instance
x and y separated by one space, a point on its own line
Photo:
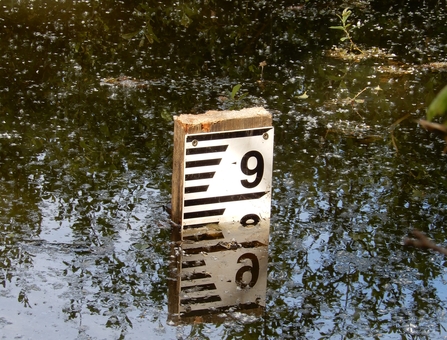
258 169
253 269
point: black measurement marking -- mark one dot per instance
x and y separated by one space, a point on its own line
205 299
253 269
203 175
258 169
224 199
195 276
208 149
200 225
252 244
206 213
205 237
199 288
227 135
250 220
223 247
205 162
192 264
198 188
216 310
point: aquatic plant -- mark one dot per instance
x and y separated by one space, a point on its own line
345 27
438 107
234 92
233 100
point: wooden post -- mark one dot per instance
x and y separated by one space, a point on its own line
211 121
221 197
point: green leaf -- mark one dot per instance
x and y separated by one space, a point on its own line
146 7
343 38
140 246
333 77
186 21
242 96
346 13
236 88
337 28
438 106
149 33
129 36
166 115
105 130
189 10
149 38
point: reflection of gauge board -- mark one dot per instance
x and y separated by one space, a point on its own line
218 268
222 167
220 280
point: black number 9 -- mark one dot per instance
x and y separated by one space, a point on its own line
258 169
253 269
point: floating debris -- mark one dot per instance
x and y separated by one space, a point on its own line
124 82
361 132
341 53
436 66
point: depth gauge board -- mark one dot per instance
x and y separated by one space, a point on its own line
222 167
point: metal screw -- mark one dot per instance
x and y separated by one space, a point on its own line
195 142
265 136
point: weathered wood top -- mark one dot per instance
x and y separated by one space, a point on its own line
214 121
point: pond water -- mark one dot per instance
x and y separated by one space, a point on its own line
88 91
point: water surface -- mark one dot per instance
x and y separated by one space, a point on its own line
87 92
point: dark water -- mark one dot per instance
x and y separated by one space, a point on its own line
85 164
